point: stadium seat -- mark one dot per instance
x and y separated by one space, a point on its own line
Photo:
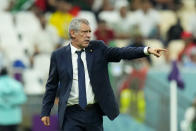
4 4
27 23
9 38
185 17
6 22
121 43
33 82
188 5
168 18
42 63
11 46
174 47
109 16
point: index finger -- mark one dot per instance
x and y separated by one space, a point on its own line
163 50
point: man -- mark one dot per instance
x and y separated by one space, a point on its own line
80 72
12 97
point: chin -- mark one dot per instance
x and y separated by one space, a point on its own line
85 44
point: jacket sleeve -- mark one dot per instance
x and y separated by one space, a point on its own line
115 54
51 87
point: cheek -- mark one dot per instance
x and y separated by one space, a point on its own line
81 37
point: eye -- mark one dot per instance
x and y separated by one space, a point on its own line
86 31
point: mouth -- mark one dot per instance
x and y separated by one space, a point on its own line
87 41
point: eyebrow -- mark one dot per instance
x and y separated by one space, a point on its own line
85 30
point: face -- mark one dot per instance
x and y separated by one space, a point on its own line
123 11
63 6
81 38
146 6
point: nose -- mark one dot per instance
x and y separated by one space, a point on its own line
88 34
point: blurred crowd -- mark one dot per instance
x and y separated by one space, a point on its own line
31 29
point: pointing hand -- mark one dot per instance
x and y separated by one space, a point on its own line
156 51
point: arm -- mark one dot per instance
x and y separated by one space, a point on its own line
51 88
18 96
114 54
14 95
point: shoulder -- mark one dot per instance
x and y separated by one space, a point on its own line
97 43
14 84
60 50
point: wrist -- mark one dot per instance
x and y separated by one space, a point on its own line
148 50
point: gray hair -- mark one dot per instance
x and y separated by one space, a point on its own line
75 24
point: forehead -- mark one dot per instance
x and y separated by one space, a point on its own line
84 26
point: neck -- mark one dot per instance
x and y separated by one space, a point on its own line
74 43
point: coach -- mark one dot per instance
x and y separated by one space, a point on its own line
80 71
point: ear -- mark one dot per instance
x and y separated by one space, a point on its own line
73 34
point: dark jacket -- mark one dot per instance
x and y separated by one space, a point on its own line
97 56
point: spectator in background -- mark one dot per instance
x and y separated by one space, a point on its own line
102 5
61 18
191 61
1 60
167 4
175 31
189 122
83 4
11 98
46 5
122 24
147 19
184 55
138 41
18 5
103 32
51 6
4 6
41 4
192 26
46 39
135 4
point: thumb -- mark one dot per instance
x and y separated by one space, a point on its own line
47 121
157 54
